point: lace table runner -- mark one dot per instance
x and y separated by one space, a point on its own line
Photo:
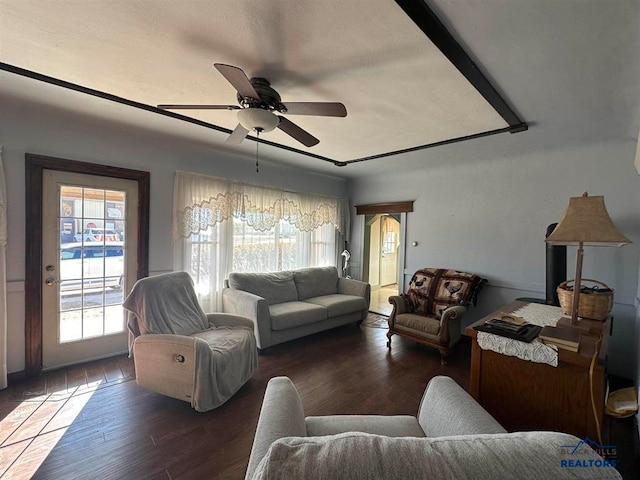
536 351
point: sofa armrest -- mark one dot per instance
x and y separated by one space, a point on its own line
229 320
450 324
239 302
253 307
453 312
282 415
349 286
399 305
446 409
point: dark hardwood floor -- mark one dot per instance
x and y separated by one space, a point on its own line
93 422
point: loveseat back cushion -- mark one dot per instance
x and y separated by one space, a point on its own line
502 456
274 287
316 281
433 290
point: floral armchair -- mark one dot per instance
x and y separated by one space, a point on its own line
431 310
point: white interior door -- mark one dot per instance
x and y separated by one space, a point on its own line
88 265
389 242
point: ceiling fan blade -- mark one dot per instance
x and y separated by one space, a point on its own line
304 137
325 109
197 107
236 77
237 135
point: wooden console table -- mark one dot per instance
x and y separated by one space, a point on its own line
524 395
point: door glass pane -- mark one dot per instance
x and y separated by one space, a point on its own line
92 262
92 322
70 326
113 319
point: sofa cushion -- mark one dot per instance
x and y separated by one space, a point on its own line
337 304
315 282
274 287
531 455
295 314
419 323
388 425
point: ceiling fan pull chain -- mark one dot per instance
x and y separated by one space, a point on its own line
257 143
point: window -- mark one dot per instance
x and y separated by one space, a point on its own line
389 242
221 226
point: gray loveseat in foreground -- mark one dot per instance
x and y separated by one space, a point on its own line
295 303
452 437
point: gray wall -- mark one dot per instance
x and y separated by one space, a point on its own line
484 213
637 342
489 217
27 128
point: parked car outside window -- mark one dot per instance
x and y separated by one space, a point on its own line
97 235
91 265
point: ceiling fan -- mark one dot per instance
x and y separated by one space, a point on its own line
258 102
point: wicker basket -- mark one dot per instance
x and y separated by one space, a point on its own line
595 304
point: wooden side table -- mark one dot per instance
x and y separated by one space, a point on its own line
524 395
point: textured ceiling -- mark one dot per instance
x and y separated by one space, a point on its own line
399 90
570 68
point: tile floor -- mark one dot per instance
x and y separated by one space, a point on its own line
380 299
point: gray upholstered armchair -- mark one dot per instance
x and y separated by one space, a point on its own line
431 310
180 351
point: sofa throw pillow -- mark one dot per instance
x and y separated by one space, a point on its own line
315 282
433 290
274 287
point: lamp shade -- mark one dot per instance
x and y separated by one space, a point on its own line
587 221
258 119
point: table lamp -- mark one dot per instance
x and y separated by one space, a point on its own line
585 222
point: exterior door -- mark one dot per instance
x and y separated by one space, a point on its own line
89 264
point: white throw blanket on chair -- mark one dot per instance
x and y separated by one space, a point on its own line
225 356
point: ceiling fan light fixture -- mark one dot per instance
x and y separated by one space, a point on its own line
258 119
258 102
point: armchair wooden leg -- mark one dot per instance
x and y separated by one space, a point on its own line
444 355
389 335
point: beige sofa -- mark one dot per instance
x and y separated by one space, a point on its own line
452 437
295 303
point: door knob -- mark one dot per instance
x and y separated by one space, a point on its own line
51 281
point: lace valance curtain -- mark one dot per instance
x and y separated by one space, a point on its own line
201 201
